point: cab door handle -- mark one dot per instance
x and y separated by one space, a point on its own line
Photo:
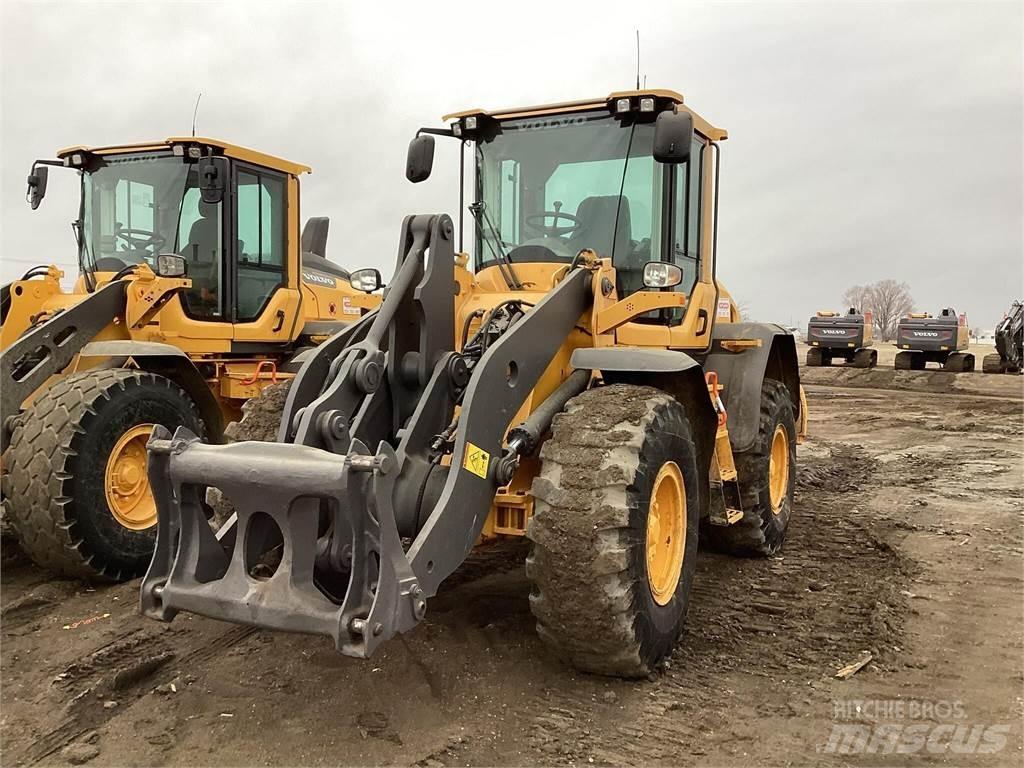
280 321
702 318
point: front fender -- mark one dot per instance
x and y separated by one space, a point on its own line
171 362
631 359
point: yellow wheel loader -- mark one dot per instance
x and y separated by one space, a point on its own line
196 291
588 384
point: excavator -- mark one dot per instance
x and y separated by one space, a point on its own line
582 379
924 338
1009 342
848 336
195 292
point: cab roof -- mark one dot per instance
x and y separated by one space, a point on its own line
230 150
701 125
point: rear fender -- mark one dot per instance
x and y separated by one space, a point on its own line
170 362
742 373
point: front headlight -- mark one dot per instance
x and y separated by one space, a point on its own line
660 274
171 265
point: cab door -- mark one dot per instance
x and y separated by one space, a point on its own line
265 307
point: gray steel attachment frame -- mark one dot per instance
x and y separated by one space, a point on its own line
356 468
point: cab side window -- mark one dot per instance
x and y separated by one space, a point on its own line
686 219
261 240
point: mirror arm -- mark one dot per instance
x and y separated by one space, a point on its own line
436 132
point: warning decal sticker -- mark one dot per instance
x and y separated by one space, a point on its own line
477 460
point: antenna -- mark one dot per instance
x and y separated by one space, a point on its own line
195 112
638 59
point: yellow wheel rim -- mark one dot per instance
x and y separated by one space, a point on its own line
666 532
126 483
778 469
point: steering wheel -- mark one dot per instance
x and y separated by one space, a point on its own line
536 221
140 239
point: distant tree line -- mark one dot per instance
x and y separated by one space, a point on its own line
886 300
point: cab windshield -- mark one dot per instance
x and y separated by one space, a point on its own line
136 206
548 187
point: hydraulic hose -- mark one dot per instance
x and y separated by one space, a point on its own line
524 437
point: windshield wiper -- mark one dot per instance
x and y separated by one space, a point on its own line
479 210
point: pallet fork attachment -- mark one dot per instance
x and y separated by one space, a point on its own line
316 543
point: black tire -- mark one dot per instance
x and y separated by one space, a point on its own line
591 596
762 530
813 357
56 466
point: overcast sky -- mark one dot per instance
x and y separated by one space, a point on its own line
867 140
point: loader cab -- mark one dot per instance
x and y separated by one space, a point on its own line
552 181
229 212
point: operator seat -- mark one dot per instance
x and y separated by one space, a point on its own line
314 247
204 236
597 225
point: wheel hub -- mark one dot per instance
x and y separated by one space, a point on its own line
778 469
126 483
666 532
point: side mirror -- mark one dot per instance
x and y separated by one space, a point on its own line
37 185
421 158
366 280
171 265
213 179
673 133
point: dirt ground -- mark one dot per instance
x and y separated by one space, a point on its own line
906 543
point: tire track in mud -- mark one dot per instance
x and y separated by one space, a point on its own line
122 670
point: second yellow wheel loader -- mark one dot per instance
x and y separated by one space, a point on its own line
196 291
589 385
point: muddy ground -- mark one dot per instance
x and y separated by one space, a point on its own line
906 543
